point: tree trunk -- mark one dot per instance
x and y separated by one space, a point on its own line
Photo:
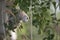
2 14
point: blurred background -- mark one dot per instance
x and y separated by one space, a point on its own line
44 19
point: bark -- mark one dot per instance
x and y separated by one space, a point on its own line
2 18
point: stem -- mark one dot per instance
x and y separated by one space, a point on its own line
30 9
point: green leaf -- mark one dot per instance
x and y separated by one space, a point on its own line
54 3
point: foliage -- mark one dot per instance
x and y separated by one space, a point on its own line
41 13
42 16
